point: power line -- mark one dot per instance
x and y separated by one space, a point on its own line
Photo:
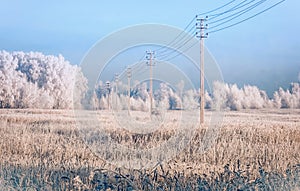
236 15
165 57
175 49
141 70
175 39
166 47
182 42
205 13
178 43
136 66
203 35
179 53
238 6
217 30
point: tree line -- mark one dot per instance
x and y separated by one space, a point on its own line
35 80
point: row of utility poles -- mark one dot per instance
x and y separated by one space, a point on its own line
200 26
150 63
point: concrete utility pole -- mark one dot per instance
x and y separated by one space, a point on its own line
200 25
128 78
150 57
108 94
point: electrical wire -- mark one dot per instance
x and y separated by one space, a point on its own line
141 72
217 30
164 56
238 6
134 66
165 52
166 47
177 37
188 38
179 42
182 52
138 69
218 8
179 53
236 15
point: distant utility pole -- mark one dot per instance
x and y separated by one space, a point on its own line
201 27
128 78
150 57
116 81
108 94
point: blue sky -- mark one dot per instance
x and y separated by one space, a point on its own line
263 51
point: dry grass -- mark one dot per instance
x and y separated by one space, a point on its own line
42 150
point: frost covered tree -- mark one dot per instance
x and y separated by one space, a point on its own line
190 100
208 100
234 98
140 91
251 97
220 95
167 98
289 98
34 80
228 96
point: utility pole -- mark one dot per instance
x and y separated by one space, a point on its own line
150 57
116 82
128 79
108 94
201 27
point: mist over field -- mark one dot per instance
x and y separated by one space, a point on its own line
35 80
